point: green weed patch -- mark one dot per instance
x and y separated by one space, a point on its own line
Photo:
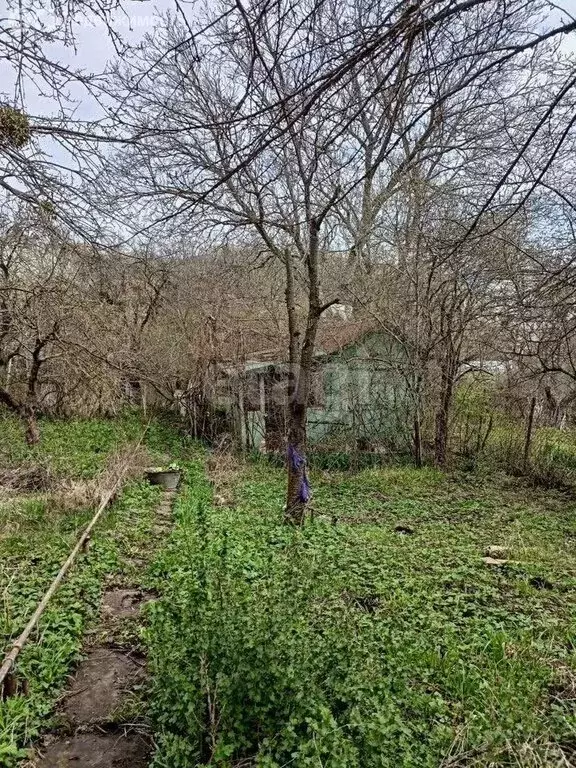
46 661
375 636
37 534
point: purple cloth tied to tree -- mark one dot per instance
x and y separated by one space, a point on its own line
298 462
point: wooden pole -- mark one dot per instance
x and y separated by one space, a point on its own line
241 415
262 391
529 428
8 663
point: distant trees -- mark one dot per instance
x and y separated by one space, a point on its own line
36 300
57 326
86 331
538 332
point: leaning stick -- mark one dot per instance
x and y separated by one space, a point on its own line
8 663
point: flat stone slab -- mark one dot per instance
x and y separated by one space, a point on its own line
95 750
124 602
494 561
101 682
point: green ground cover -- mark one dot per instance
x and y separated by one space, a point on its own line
37 532
376 636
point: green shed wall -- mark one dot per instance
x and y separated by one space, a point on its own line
364 397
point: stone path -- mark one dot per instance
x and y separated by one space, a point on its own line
95 734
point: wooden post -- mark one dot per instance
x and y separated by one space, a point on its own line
529 427
262 392
417 440
241 415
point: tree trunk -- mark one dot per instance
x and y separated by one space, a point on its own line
302 365
441 437
298 491
26 412
417 422
528 438
32 429
443 413
417 440
301 371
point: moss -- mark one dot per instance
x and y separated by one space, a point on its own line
14 127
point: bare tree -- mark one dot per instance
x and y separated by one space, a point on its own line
35 299
284 198
49 156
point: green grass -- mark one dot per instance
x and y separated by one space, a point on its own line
46 661
37 530
478 419
75 448
351 645
347 644
37 533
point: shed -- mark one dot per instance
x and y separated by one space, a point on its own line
358 396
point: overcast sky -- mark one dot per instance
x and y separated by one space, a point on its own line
94 49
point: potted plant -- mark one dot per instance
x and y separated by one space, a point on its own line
167 477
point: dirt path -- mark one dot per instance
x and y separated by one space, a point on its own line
102 716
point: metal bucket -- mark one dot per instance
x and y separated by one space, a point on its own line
169 479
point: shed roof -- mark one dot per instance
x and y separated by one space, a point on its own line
333 336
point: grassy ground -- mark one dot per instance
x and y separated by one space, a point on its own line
351 644
38 530
72 448
374 637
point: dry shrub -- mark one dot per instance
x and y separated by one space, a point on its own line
223 468
28 478
530 754
542 754
75 494
69 494
128 463
563 686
